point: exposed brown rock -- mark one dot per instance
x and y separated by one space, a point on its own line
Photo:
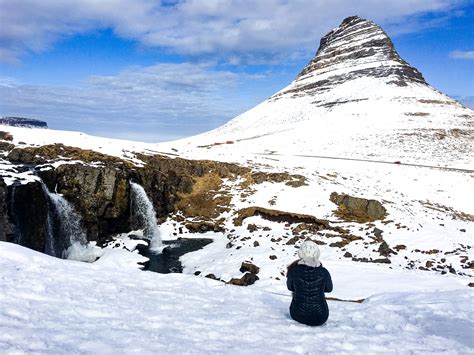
249 267
357 209
292 241
203 227
6 136
400 247
377 261
246 280
5 146
40 155
278 216
252 227
288 179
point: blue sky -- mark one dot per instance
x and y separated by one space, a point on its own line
159 70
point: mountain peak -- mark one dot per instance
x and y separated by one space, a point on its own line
356 97
355 49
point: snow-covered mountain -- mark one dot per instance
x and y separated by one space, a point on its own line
357 98
359 154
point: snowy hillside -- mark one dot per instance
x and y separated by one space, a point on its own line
355 99
358 124
55 306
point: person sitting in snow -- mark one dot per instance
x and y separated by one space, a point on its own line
309 280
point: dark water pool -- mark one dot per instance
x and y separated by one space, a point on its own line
168 261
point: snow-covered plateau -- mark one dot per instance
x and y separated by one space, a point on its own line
357 127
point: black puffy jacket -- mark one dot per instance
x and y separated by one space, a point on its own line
308 285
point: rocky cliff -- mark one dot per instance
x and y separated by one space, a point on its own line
98 187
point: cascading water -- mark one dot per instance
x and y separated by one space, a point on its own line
50 247
68 229
16 230
143 208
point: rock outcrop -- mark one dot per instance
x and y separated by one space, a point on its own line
357 209
98 186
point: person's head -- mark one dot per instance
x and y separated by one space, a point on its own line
309 253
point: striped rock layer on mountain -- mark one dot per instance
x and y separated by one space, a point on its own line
356 49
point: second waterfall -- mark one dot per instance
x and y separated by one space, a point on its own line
143 208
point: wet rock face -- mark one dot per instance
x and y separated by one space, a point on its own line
5 226
27 212
356 49
357 209
101 195
99 188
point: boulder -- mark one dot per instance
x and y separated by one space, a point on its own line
249 267
357 209
384 249
247 279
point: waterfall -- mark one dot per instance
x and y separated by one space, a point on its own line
68 229
16 229
143 208
50 247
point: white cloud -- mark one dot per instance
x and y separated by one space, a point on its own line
467 101
462 54
160 101
227 28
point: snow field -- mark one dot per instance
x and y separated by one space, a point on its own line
57 306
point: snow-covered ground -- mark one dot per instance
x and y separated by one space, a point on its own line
408 146
50 305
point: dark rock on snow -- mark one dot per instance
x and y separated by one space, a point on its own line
246 280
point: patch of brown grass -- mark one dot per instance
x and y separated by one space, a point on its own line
206 200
